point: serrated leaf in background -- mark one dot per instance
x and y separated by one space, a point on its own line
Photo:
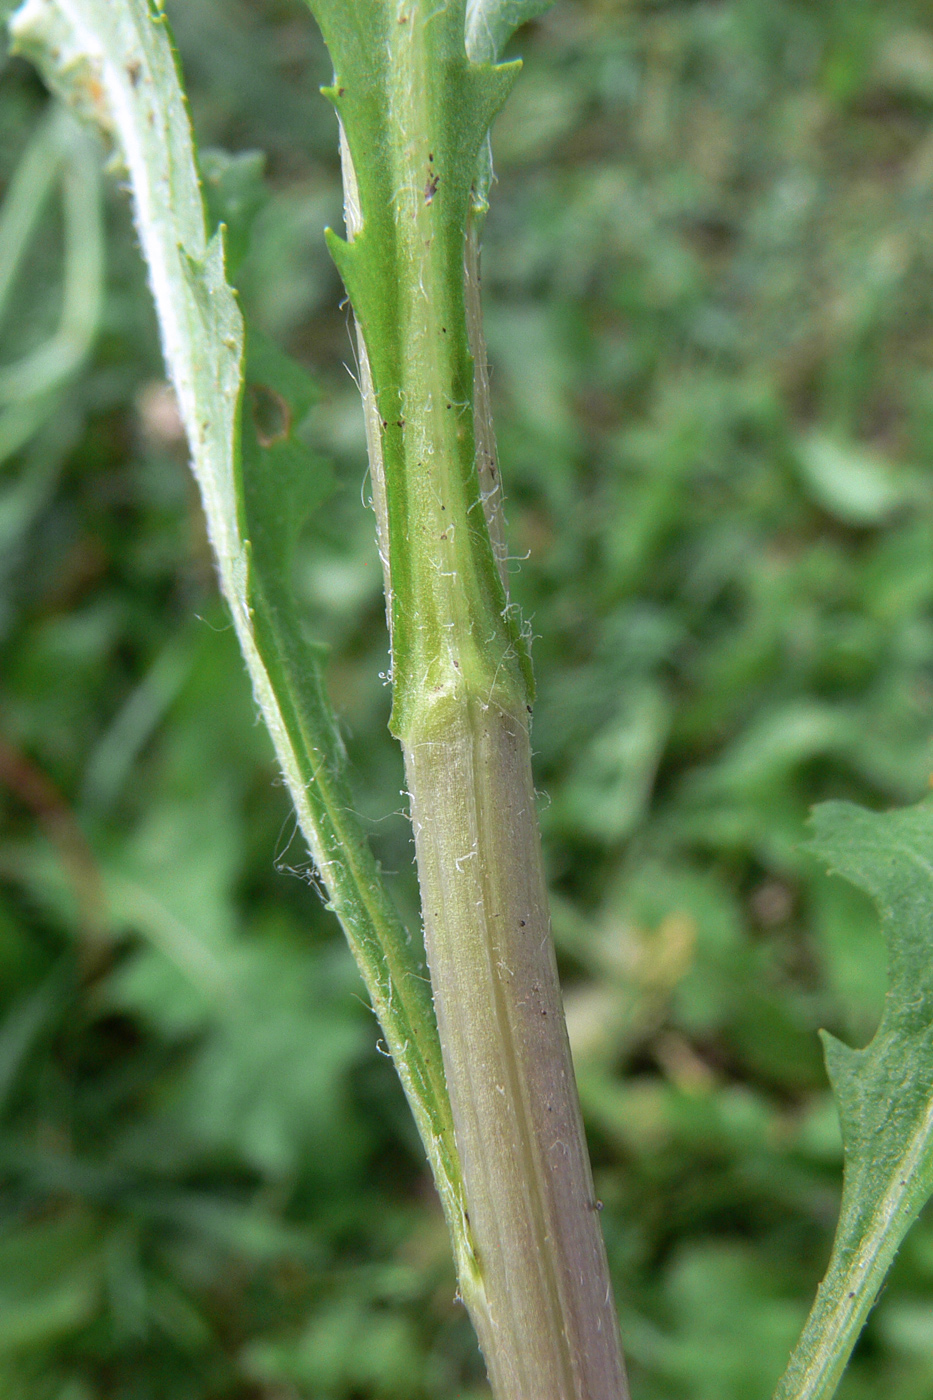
884 1092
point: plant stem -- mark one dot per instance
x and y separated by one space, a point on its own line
538 1287
543 1308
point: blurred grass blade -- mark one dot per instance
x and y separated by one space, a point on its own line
884 1092
26 492
60 150
32 183
111 762
46 368
113 60
24 1025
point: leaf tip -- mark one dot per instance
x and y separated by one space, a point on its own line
334 92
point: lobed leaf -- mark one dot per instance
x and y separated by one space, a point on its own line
113 61
884 1092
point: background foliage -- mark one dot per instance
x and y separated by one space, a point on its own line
709 280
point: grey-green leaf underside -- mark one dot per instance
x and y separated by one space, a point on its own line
113 61
884 1092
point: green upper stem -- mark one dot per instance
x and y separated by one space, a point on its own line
415 113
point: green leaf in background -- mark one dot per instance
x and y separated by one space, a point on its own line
855 485
233 190
884 1092
49 1282
283 481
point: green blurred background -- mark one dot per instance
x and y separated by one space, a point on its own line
709 281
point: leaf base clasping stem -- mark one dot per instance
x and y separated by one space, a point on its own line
414 114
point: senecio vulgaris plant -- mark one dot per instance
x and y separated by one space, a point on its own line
482 1053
